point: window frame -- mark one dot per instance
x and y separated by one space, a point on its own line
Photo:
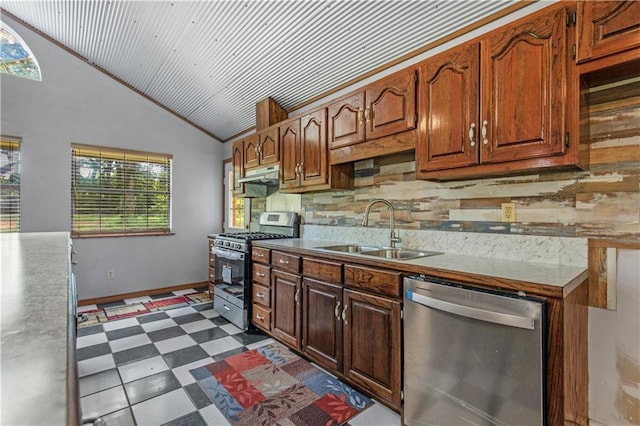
18 141
129 157
228 198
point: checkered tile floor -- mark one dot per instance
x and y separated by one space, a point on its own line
135 371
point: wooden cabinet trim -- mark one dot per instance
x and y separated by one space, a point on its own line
321 269
374 280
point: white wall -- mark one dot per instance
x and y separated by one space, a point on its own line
75 103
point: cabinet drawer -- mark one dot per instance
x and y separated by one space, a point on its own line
261 317
324 270
212 260
374 280
261 295
259 254
212 275
286 262
261 274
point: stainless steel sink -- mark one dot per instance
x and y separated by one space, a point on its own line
400 254
350 248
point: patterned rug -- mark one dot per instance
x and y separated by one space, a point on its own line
271 385
111 313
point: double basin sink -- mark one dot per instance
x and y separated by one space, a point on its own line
384 252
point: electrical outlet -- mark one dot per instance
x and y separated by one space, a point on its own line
508 212
111 274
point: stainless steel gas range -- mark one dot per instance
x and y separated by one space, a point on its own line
232 289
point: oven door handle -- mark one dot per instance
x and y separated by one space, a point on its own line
228 254
471 312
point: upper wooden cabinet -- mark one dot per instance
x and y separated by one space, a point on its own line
262 149
237 165
607 27
383 108
499 104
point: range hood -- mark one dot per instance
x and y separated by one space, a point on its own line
262 175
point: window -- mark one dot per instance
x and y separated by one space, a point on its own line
237 210
15 56
9 184
119 192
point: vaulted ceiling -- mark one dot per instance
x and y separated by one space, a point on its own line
209 62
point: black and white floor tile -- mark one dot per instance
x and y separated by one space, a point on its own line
135 371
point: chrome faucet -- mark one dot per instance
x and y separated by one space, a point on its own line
393 239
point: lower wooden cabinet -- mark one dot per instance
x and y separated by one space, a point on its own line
322 326
286 296
372 343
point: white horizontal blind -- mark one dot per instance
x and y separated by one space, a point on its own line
9 184
116 191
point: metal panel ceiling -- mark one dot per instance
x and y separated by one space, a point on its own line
211 61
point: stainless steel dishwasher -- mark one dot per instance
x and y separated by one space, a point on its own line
472 357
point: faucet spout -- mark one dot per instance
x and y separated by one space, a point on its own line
393 239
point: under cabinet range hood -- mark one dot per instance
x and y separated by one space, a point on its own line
262 175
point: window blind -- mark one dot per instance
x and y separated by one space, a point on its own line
116 191
9 184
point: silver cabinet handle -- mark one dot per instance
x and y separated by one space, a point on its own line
297 296
472 132
260 295
285 262
344 314
74 262
260 317
226 307
259 255
367 113
336 312
301 168
471 312
484 132
260 274
255 148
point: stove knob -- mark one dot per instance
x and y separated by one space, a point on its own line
237 246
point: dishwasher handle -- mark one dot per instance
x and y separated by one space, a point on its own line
470 312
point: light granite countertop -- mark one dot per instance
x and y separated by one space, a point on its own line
552 279
34 349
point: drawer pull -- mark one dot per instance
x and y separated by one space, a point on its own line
226 307
260 295
344 314
259 255
296 298
260 274
285 262
259 317
336 312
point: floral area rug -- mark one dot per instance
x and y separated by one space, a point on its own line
271 385
111 313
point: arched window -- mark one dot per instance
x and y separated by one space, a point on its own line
15 56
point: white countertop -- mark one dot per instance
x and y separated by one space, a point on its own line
553 275
34 300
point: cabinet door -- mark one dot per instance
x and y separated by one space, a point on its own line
607 27
289 165
523 74
237 164
269 146
285 307
346 121
449 102
372 344
391 105
322 328
251 151
313 148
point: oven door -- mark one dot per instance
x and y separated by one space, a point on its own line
231 276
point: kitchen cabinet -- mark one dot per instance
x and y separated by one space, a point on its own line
372 343
237 165
497 105
304 164
262 149
383 108
286 298
261 288
606 28
322 333
212 266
